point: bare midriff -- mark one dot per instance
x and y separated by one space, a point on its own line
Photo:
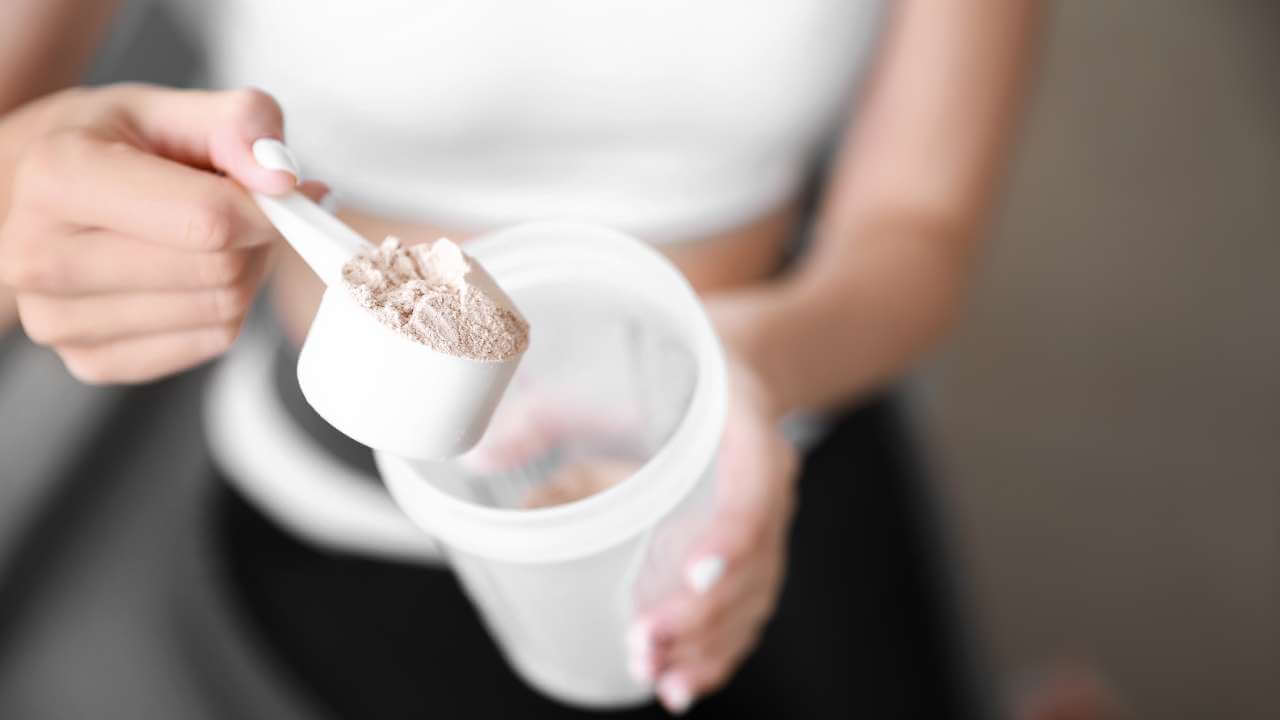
736 258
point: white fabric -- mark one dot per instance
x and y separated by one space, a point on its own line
290 477
669 119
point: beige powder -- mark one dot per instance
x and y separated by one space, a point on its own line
422 292
579 480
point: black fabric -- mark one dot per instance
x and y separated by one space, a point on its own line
864 627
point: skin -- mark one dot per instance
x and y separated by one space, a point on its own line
124 300
44 47
129 255
895 239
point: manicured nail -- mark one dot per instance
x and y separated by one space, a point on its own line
704 573
275 155
674 693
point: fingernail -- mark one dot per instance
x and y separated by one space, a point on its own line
704 573
329 203
674 693
275 155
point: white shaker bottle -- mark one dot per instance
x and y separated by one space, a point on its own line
557 586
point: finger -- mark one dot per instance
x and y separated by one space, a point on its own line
730 632
752 513
702 666
705 662
742 548
148 357
711 577
114 186
218 130
687 612
58 320
737 574
675 692
680 620
679 688
688 627
97 261
738 538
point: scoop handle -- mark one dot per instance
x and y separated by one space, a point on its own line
324 242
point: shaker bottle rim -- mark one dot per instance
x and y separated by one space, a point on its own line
551 253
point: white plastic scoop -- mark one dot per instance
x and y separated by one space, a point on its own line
374 385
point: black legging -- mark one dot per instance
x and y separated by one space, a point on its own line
865 626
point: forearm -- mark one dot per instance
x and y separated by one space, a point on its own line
909 195
839 327
45 45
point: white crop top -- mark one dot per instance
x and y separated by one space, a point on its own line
670 119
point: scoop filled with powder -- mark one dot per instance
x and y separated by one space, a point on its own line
423 292
426 389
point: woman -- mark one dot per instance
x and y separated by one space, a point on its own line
134 251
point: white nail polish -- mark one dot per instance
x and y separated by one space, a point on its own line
704 573
275 155
675 694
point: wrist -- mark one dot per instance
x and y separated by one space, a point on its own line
745 361
745 323
752 388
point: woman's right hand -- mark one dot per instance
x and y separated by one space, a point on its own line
130 241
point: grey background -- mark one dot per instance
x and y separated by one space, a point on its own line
1107 415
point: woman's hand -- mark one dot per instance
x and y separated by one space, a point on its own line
692 643
129 239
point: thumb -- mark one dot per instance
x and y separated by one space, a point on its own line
237 132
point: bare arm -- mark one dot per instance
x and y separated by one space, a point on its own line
895 236
45 45
897 229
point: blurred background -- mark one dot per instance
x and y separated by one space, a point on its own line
1106 418
1103 423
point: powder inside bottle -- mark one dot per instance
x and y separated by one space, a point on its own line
579 480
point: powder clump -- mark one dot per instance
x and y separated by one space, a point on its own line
422 292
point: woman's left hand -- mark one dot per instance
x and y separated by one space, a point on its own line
691 643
